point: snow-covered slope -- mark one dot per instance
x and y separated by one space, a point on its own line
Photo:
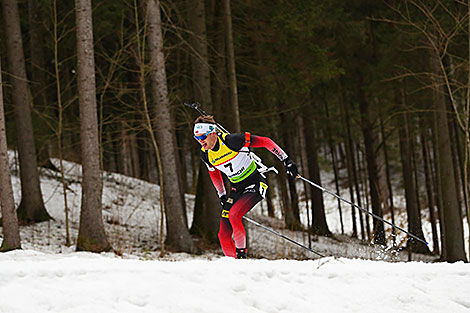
47 276
82 282
133 219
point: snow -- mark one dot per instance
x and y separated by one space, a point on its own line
131 210
83 282
47 276
401 220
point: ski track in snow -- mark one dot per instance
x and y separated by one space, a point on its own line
32 281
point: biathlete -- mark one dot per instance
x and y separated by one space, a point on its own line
230 154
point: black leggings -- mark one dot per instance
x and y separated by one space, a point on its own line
243 197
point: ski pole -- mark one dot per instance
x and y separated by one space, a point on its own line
281 235
356 206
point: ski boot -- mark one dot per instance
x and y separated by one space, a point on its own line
241 253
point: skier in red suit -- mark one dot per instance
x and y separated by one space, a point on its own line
230 154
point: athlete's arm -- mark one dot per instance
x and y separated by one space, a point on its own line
215 176
268 143
238 141
217 181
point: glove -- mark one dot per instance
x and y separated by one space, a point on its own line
291 168
223 201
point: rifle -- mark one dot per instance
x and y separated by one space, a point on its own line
261 167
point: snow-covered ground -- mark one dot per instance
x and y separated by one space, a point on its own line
131 210
81 282
47 276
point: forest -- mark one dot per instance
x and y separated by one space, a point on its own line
375 91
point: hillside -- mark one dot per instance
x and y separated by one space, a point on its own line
47 276
132 215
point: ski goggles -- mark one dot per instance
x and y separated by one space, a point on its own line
202 130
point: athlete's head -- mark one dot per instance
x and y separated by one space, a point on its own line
205 131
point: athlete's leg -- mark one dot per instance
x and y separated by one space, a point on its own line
246 202
225 237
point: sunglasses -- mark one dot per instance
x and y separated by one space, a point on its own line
203 137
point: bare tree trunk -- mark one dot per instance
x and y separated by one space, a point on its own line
232 76
178 236
412 209
206 218
459 163
379 232
199 55
270 196
455 156
319 225
304 169
388 178
362 187
357 183
331 146
31 208
60 113
11 233
284 196
292 218
38 80
412 141
125 151
438 187
134 155
467 137
429 188
220 96
287 138
349 155
454 241
91 234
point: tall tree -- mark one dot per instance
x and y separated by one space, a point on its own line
442 29
219 83
292 216
334 163
412 207
429 186
206 215
91 234
453 228
371 158
11 233
319 225
38 81
32 207
199 51
350 162
178 236
387 176
232 76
